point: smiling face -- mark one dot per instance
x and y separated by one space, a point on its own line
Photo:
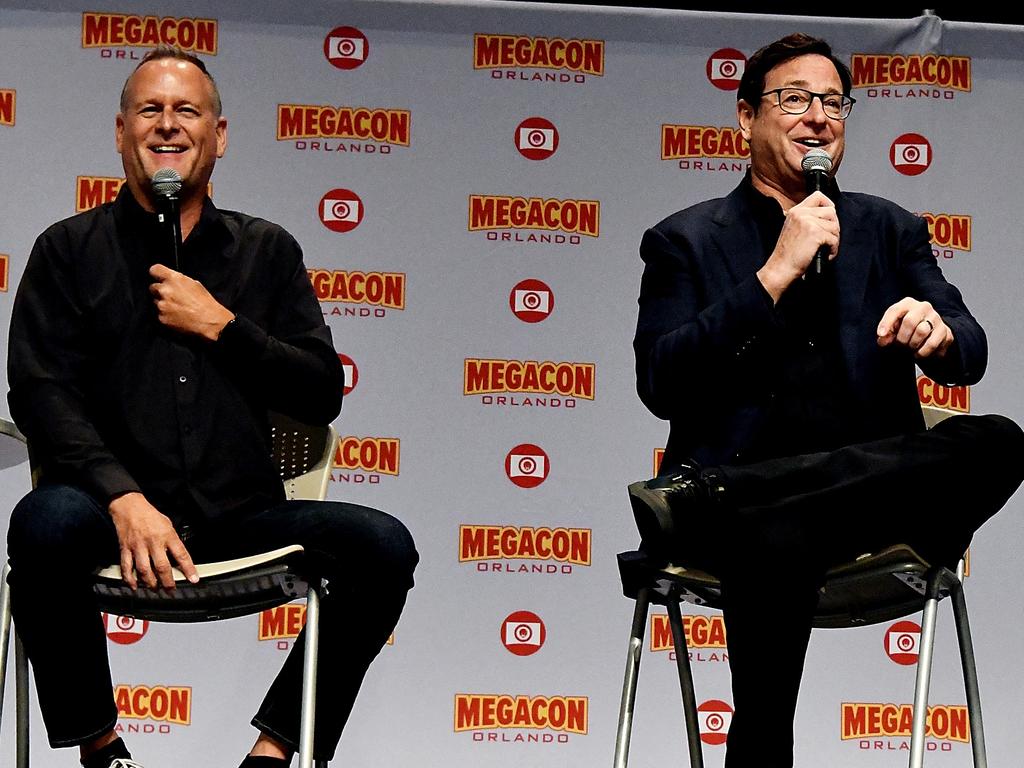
778 140
169 121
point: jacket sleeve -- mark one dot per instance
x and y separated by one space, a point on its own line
698 331
48 356
965 361
288 357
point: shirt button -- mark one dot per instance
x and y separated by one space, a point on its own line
182 379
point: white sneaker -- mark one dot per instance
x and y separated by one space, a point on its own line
121 762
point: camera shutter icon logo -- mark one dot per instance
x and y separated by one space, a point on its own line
531 300
911 154
341 210
725 68
536 138
346 47
903 642
124 630
714 717
523 633
527 465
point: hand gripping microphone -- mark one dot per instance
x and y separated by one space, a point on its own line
166 184
817 165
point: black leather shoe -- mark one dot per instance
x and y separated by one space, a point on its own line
663 506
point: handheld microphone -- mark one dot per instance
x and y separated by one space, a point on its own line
166 184
817 165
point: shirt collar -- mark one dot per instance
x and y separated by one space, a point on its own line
127 211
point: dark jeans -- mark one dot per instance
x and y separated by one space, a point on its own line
789 519
59 535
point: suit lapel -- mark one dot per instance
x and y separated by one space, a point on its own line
737 237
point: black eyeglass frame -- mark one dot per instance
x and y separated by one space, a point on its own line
847 101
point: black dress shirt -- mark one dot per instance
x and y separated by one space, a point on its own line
804 375
112 401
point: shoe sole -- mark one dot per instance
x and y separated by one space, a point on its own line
652 514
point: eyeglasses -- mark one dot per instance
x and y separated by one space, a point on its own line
796 101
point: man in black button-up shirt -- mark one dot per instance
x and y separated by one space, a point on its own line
144 391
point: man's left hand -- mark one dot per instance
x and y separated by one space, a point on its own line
916 325
185 305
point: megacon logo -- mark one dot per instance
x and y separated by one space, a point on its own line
527 465
705 637
362 294
4 271
111 31
494 548
124 630
502 217
531 300
704 148
725 68
948 232
523 633
346 47
566 61
536 138
365 459
543 384
913 76
953 398
348 365
659 456
902 642
714 717
340 210
282 624
887 727
353 130
910 154
8 106
91 191
162 705
544 719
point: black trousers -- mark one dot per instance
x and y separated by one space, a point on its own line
59 535
795 517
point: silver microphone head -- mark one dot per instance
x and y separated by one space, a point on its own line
817 160
167 182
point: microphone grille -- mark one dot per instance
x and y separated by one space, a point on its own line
817 160
167 182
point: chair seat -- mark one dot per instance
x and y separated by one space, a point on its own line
226 589
874 588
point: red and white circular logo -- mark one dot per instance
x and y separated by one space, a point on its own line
124 630
341 210
910 154
523 633
725 68
902 642
346 47
527 465
351 372
536 138
714 717
531 300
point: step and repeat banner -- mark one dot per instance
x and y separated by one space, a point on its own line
469 182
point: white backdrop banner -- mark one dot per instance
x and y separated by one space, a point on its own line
469 182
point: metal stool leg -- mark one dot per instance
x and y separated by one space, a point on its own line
5 632
306 727
924 672
636 647
686 685
22 687
963 633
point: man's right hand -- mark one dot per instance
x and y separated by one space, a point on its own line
809 225
146 537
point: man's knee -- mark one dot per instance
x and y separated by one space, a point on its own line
58 522
395 549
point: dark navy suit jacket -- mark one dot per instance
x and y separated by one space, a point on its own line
707 328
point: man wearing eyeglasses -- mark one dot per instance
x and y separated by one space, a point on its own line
797 439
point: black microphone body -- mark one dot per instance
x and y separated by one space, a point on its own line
817 164
166 185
